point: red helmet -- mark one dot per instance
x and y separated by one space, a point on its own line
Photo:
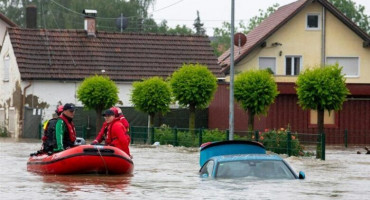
59 110
119 110
115 110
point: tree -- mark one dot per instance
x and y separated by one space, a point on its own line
152 27
256 20
321 88
255 90
67 14
193 86
199 30
97 93
221 37
180 30
354 13
151 96
221 41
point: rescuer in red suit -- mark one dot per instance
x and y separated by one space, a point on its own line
114 132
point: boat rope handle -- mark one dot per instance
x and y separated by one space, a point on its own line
105 164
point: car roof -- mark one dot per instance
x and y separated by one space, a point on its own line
241 157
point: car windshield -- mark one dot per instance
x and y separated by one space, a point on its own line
260 169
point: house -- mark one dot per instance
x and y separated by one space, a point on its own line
42 68
4 24
295 37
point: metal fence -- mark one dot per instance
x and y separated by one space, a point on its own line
301 143
282 142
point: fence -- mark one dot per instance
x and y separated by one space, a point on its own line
278 141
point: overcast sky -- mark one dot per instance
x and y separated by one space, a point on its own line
214 12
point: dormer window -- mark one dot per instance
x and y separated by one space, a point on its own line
313 21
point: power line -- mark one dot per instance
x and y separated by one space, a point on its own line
167 6
114 18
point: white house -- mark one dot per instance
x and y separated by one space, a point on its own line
40 69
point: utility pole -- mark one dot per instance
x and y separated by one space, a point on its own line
231 104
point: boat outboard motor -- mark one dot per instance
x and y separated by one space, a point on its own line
80 141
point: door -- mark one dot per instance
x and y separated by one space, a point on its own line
32 123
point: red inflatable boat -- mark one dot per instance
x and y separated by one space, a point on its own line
81 160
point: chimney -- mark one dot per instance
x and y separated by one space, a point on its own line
31 16
89 23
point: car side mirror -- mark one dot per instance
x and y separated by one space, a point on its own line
302 175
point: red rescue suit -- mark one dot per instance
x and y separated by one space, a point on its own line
115 135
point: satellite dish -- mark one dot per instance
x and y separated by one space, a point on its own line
121 22
240 39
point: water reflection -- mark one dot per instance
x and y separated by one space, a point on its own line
73 183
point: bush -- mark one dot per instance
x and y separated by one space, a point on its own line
273 140
3 132
164 135
213 135
186 139
277 141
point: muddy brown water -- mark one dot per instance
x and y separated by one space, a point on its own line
166 172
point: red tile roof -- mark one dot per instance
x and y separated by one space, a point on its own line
276 20
71 55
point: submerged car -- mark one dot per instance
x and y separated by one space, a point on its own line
243 159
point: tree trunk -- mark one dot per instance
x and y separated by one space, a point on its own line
150 125
99 121
320 127
192 118
250 121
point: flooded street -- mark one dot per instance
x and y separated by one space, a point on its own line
172 173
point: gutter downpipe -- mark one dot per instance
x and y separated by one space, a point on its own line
323 37
23 103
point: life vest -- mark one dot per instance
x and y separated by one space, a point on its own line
49 140
70 133
108 134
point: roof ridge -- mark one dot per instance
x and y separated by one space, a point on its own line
114 32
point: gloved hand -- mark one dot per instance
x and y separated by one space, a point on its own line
95 142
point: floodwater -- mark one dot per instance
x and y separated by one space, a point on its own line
166 172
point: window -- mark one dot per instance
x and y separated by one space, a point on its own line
330 120
313 21
292 65
350 65
207 169
268 62
6 68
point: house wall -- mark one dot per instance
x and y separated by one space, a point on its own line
10 91
354 117
343 42
49 94
296 40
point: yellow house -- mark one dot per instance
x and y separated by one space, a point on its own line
298 36
304 34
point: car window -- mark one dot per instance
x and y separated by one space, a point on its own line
207 168
262 169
